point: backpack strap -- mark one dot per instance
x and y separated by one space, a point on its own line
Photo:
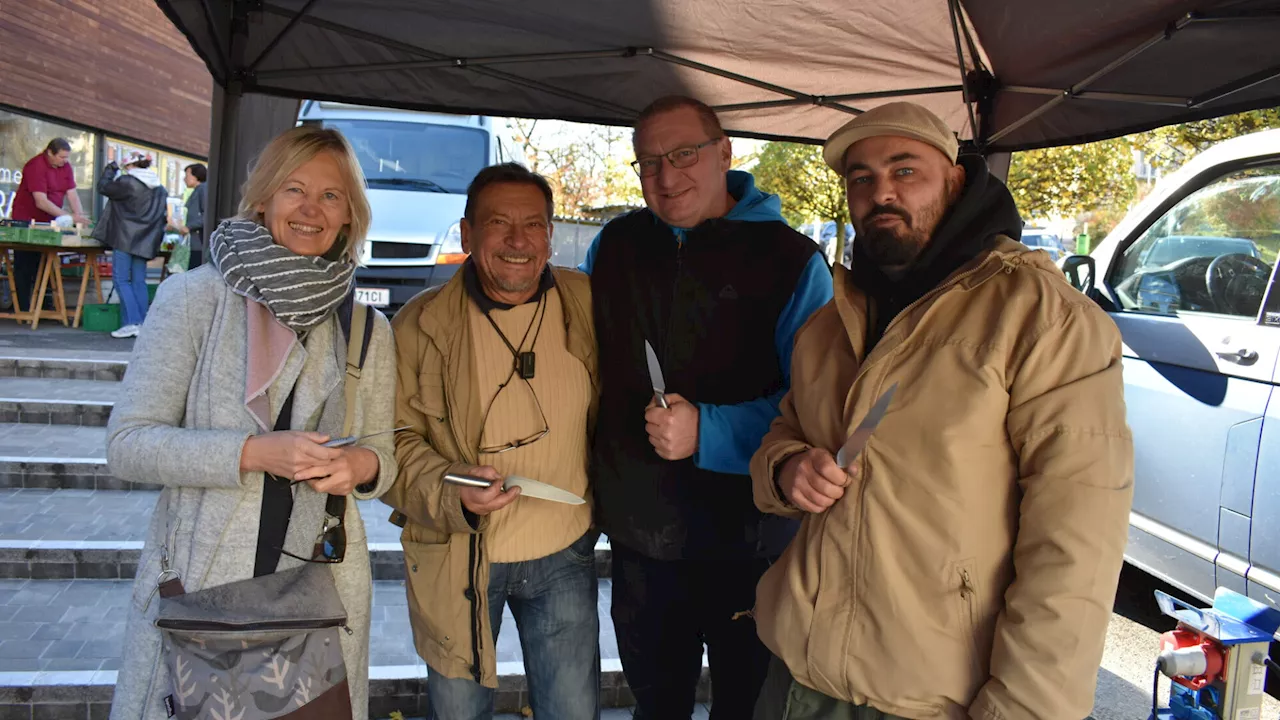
358 337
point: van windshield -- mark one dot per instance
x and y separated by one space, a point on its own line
416 156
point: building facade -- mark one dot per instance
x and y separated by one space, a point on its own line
110 76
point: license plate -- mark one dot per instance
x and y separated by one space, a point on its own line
377 297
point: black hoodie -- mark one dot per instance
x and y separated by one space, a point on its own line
984 210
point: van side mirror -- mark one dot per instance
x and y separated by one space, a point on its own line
1081 272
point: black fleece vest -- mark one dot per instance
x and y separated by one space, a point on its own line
710 309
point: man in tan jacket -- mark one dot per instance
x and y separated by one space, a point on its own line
497 377
965 564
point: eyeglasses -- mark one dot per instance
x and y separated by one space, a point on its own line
331 545
681 157
546 428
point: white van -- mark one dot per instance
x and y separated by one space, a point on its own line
418 166
1189 276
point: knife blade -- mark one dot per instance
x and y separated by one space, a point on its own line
655 375
528 487
353 439
858 439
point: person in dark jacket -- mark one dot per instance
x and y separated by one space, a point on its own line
195 176
710 276
133 227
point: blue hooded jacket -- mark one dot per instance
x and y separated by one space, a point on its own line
728 435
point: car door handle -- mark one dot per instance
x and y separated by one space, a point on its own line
1240 357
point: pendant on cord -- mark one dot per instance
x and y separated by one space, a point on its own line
525 365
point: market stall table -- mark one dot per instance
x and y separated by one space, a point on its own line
49 276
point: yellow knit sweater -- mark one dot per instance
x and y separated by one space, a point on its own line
530 528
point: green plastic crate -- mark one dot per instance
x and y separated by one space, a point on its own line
13 234
43 237
101 318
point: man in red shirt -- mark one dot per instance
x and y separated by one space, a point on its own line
47 179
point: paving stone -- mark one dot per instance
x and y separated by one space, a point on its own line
19 649
101 649
16 630
41 614
65 402
25 441
61 649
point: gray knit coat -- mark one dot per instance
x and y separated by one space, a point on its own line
180 421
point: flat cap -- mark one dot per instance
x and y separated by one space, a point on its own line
902 119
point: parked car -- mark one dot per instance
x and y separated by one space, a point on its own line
1188 276
1040 239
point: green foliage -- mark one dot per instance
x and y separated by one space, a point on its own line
1066 181
1173 145
584 164
808 188
1098 179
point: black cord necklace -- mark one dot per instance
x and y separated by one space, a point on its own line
525 362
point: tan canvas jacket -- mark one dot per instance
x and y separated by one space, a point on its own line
970 568
446 565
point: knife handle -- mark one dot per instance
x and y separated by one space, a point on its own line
662 399
466 480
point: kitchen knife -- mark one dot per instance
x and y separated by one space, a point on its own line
655 375
858 440
528 487
352 440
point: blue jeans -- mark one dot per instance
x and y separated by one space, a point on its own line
129 273
554 601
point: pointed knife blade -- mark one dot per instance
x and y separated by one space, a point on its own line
536 489
655 375
528 487
858 439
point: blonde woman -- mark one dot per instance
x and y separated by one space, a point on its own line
225 348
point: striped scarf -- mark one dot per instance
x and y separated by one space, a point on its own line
300 291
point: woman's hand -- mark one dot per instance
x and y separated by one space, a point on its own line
286 453
354 466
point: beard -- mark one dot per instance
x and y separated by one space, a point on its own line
899 245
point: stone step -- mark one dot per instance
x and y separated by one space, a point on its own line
58 364
72 457
98 534
60 643
62 402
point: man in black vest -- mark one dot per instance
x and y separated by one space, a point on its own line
713 279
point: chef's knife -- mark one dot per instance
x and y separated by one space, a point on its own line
858 440
528 487
655 375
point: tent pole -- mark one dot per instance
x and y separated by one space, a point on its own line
1168 32
217 38
909 92
954 12
1231 88
281 35
226 117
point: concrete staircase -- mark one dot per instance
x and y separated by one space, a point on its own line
71 535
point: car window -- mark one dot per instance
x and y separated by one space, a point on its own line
1212 252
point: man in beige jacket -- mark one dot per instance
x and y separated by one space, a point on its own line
497 377
965 564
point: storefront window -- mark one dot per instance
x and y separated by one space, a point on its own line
22 138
